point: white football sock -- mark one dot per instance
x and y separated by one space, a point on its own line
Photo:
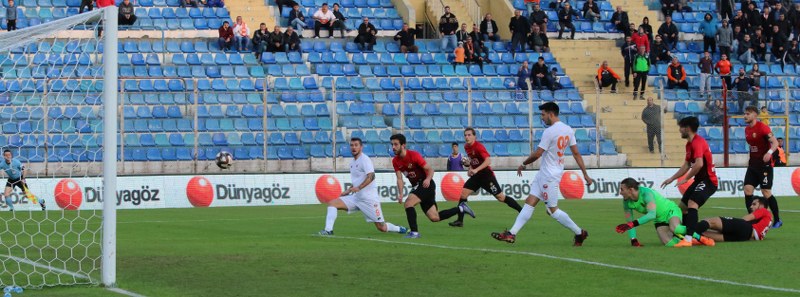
564 219
330 218
688 238
392 227
522 218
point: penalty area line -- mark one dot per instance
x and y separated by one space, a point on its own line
576 260
124 292
739 208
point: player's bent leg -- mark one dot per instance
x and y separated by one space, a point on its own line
563 218
665 234
748 197
7 195
411 214
338 204
433 214
411 201
511 202
714 235
330 217
462 202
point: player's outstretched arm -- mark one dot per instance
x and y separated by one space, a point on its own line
681 171
698 165
579 159
400 186
531 158
428 175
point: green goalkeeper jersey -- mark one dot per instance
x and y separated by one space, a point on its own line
652 205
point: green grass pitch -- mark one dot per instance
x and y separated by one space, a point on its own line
272 251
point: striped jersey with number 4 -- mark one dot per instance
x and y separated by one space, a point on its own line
555 140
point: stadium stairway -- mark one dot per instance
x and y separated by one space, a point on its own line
623 124
254 12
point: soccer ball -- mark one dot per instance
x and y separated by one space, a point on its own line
224 160
465 161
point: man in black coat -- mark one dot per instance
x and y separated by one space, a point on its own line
366 35
519 31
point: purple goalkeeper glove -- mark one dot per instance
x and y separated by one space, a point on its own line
627 226
635 243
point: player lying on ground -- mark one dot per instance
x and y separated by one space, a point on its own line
544 187
759 169
410 164
15 172
363 197
665 214
753 226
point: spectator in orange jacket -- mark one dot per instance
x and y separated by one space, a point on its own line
459 53
607 77
676 75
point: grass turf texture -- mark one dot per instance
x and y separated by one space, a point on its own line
271 251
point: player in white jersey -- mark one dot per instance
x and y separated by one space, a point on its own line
363 197
544 187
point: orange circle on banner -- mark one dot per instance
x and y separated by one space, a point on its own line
682 188
571 185
200 191
452 183
68 194
327 188
796 181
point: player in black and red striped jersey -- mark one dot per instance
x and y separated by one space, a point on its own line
699 163
481 176
410 164
759 170
753 226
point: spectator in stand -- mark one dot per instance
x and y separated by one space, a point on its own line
530 4
472 54
454 160
725 38
553 80
708 27
519 28
759 44
726 9
640 39
565 16
225 40
793 53
668 6
706 66
11 15
738 35
740 19
620 21
669 33
297 19
641 66
743 85
459 54
261 40
660 53
339 20
745 8
784 25
462 34
628 50
779 155
523 73
779 44
714 111
489 28
406 36
723 67
448 24
538 41
477 40
676 76
215 3
126 16
755 75
754 18
241 34
366 35
651 116
292 40
539 78
276 41
766 22
89 4
776 11
794 20
323 18
539 17
189 3
282 3
648 29
746 51
764 115
607 77
591 11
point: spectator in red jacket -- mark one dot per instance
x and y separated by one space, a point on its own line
640 39
225 36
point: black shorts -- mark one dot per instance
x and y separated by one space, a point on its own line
484 180
427 196
19 183
736 229
759 177
699 192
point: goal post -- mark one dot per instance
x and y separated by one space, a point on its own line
109 246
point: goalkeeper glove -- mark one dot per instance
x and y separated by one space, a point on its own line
627 226
635 242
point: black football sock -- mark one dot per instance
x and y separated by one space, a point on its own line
461 213
513 204
690 220
748 199
773 205
448 213
702 226
411 214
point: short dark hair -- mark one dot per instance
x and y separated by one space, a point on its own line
549 107
692 122
541 58
751 108
325 4
761 200
225 22
399 137
471 130
6 151
630 183
356 139
456 144
779 138
263 24
336 5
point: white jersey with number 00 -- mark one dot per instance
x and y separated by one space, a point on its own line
555 140
359 168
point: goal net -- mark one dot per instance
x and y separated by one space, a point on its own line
52 115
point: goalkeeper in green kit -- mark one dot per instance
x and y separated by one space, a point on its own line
665 214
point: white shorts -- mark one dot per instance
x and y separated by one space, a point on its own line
371 208
546 190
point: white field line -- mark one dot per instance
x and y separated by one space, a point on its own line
124 292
